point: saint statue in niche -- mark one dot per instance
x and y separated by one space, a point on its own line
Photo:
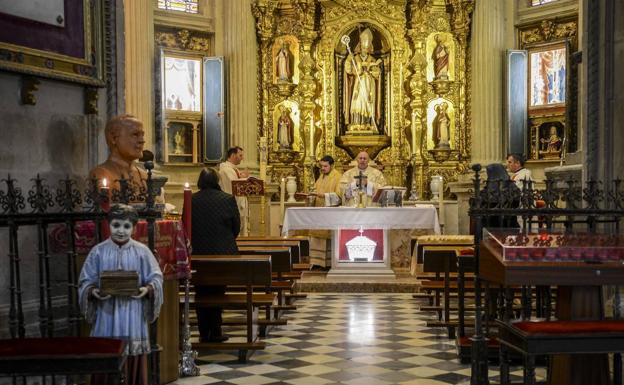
441 127
283 63
179 141
362 86
285 129
551 145
440 57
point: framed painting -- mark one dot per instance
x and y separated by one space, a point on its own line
547 77
59 39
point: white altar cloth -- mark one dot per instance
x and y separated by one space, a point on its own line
336 218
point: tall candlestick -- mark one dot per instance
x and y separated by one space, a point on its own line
311 136
441 202
263 157
413 132
282 199
186 211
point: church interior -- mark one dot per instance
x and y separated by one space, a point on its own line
418 192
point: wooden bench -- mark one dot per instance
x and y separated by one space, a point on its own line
240 270
62 356
299 262
281 263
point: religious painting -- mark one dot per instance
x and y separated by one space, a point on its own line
360 246
286 122
547 77
550 140
285 54
180 142
440 57
59 39
440 124
362 59
182 83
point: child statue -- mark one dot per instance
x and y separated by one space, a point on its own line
123 317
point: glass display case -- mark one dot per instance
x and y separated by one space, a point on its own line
552 246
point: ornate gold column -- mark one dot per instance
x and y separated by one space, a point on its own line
139 67
307 88
488 45
237 33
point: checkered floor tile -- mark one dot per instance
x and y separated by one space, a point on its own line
346 339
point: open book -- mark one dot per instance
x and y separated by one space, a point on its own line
331 199
390 195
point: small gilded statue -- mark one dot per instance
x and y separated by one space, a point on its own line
551 145
283 60
440 57
285 129
441 127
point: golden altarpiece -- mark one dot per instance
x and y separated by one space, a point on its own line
387 76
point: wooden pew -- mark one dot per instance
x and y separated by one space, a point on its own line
62 356
299 262
443 259
240 270
281 263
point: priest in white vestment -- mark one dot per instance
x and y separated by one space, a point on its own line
515 165
228 171
374 178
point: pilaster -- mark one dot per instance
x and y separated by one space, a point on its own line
488 37
139 68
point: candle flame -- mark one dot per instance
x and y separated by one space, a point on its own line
104 183
186 186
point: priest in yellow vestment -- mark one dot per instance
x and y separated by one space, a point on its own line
328 182
320 240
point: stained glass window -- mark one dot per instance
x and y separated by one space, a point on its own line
188 6
540 2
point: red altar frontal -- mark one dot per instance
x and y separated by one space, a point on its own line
171 244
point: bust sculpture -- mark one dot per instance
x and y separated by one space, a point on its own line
125 140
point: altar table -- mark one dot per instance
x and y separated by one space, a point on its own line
422 219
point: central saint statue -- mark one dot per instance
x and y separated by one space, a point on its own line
362 86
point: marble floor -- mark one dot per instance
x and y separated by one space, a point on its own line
346 338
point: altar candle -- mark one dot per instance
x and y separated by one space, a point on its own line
282 199
186 210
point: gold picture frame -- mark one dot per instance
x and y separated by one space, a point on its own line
38 49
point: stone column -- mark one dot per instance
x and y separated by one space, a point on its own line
238 46
139 66
488 47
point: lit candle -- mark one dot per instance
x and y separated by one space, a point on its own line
105 195
105 199
186 210
282 199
